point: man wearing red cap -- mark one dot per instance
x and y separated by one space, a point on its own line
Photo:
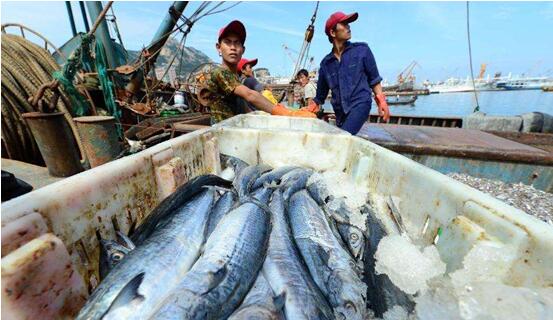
245 68
227 93
350 72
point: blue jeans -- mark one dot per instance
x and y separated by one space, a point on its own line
354 120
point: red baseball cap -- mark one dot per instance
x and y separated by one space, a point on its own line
244 62
235 27
339 17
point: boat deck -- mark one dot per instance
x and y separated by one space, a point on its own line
36 176
453 142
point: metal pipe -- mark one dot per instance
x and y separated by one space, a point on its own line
167 25
161 36
71 19
85 18
101 31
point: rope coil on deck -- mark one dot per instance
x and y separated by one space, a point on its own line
25 68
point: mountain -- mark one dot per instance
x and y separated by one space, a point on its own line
191 58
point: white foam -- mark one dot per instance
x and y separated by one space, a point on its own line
406 266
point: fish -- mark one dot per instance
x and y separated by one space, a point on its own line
382 294
319 191
174 201
330 265
233 166
352 237
226 270
247 177
287 274
137 286
112 252
272 176
221 207
260 303
294 181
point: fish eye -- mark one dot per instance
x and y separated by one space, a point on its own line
354 237
350 307
117 256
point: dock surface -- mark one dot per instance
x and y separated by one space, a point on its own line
453 142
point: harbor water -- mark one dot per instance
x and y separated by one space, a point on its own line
458 104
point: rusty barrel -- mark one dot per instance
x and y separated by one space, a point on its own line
99 138
56 142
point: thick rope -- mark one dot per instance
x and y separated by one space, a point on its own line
25 67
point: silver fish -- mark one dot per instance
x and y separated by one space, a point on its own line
246 178
260 303
137 286
229 265
319 191
272 176
331 267
221 207
294 181
287 274
112 252
349 235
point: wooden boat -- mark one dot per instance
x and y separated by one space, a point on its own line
401 100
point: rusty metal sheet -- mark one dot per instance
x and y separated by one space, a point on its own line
542 141
454 142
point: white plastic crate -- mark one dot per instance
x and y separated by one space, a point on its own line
71 212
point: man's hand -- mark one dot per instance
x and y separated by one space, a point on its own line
280 110
383 109
312 106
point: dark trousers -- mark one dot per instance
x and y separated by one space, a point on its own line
353 121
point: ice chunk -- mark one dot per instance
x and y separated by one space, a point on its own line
340 184
488 300
406 266
396 313
486 261
438 303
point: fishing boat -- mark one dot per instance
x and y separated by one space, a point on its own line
525 83
401 100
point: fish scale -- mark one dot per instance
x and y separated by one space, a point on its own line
286 273
328 262
222 276
136 287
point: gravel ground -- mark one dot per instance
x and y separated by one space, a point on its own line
526 198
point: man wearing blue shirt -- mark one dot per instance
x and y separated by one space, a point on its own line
350 72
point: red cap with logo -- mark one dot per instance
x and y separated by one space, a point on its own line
244 62
339 16
235 27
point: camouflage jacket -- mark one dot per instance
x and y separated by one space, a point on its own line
223 102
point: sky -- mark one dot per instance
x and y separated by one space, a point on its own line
508 36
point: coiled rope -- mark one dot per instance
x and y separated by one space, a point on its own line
25 68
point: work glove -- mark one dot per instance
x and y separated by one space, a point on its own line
313 107
280 110
383 109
